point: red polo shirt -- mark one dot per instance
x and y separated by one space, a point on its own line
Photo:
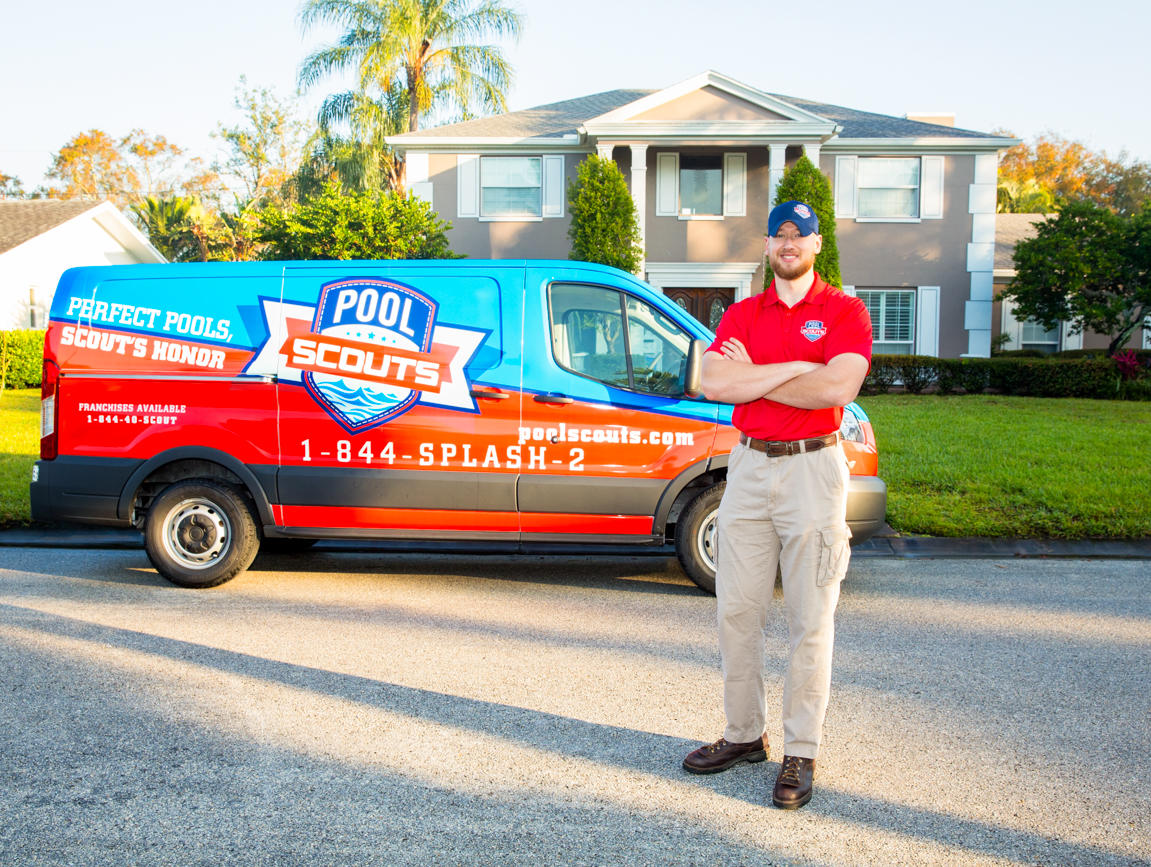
826 323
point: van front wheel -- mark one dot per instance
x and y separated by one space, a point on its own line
695 537
200 533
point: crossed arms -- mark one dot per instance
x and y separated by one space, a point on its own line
731 376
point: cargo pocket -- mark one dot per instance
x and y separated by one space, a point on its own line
834 554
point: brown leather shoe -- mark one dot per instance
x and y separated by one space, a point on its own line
721 755
793 785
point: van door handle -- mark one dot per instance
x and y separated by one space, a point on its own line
553 398
493 394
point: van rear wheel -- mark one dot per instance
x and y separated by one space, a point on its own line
695 537
200 533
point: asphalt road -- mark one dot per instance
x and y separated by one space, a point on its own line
404 709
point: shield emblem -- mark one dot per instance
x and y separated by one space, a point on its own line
367 317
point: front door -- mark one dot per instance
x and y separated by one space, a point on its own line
706 305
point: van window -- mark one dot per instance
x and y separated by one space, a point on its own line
617 339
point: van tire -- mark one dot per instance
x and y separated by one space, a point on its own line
695 537
200 533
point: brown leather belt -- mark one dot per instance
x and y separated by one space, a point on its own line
780 448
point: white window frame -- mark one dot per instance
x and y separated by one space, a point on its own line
877 328
930 189
469 192
733 187
1012 326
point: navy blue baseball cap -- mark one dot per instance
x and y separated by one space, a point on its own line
793 212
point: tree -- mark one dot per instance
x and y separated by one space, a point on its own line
358 226
604 226
265 149
422 49
90 165
1087 266
805 183
10 187
1039 177
166 222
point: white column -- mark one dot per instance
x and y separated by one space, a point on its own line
981 256
639 194
811 151
603 151
775 170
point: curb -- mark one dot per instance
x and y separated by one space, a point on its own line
889 545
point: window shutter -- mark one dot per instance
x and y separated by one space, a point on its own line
927 321
931 188
1069 340
467 185
553 192
845 177
666 185
735 185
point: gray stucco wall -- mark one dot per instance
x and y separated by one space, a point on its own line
907 255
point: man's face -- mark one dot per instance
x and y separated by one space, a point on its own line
791 254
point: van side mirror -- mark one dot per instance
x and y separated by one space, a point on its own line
694 371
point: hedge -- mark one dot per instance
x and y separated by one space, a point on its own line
1084 374
21 357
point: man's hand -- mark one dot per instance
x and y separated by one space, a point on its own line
730 376
734 350
834 384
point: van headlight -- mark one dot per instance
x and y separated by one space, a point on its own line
850 428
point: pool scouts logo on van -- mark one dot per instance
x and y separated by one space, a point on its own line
369 351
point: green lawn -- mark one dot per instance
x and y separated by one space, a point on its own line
19 448
984 465
954 466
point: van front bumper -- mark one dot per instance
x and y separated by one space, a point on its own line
866 507
81 489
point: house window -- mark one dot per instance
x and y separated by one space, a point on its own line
892 319
888 188
700 186
511 187
1032 335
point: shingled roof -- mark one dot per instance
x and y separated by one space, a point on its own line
22 220
557 119
1010 229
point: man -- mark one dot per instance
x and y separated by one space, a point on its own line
789 358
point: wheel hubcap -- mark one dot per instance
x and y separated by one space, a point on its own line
705 539
196 533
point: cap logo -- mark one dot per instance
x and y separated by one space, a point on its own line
803 211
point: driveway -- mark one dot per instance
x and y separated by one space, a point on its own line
408 709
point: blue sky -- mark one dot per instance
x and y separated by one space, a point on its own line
172 68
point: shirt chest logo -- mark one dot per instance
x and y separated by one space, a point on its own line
813 329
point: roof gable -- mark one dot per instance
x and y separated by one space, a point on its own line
709 103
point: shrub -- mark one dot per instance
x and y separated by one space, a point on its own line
604 226
21 358
969 375
804 182
368 225
916 372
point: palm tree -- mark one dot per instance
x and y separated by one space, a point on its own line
167 223
421 51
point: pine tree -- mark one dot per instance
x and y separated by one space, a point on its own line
805 183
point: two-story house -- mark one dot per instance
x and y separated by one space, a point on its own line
914 200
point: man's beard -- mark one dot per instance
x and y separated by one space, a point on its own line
789 271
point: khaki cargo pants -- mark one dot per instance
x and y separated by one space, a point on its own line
789 511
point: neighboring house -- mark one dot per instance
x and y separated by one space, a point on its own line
1010 229
915 201
41 238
